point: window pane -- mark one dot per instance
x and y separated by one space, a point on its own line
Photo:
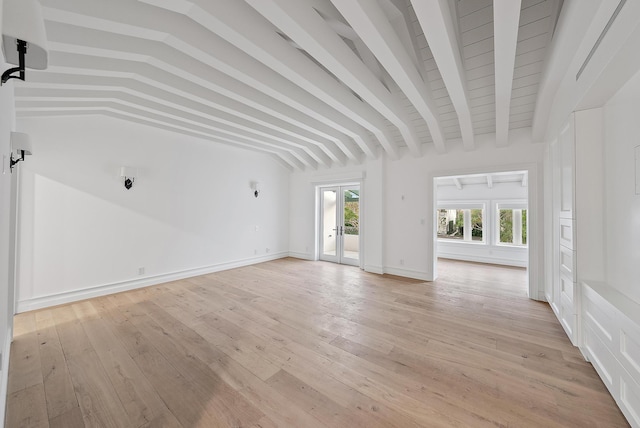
506 226
476 225
524 227
450 224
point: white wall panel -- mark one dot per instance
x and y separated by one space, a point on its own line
191 209
611 341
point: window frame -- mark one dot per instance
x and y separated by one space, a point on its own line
466 205
512 204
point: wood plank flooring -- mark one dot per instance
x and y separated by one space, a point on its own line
294 343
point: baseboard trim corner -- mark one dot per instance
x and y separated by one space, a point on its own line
408 273
303 256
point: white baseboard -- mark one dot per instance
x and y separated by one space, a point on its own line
480 259
374 269
408 273
4 375
303 256
116 287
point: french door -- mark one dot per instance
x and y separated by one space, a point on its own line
340 224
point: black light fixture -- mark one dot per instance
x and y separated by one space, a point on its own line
128 175
255 186
23 38
21 146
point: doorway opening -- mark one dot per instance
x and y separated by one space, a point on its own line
483 218
339 225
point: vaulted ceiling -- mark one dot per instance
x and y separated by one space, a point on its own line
312 82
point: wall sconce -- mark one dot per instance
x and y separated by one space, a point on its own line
128 176
21 145
23 31
255 186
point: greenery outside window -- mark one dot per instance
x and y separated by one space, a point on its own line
512 225
461 224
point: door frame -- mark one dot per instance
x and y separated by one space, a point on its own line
535 218
319 216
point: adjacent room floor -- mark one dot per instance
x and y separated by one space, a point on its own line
296 343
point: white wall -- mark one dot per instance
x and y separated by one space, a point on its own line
489 251
622 203
7 118
190 211
399 204
413 179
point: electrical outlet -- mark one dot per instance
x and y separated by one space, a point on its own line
255 251
141 270
267 250
401 262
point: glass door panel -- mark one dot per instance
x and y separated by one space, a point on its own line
329 224
351 221
340 224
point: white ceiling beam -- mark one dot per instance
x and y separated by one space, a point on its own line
140 21
230 20
205 85
440 30
311 32
285 158
44 82
398 13
176 109
371 23
506 22
166 116
457 182
489 181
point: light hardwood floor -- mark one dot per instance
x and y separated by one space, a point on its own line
295 343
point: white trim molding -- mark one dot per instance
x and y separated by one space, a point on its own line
408 273
4 374
611 341
117 287
303 256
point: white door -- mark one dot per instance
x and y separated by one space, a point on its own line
340 224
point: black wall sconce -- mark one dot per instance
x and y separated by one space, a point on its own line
128 176
21 146
23 38
255 186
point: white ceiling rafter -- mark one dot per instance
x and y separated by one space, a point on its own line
41 82
208 107
106 109
166 116
311 32
314 83
181 109
372 25
506 22
231 19
185 40
440 30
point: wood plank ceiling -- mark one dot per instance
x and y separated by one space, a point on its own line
312 82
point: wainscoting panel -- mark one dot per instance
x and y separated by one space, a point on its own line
611 341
